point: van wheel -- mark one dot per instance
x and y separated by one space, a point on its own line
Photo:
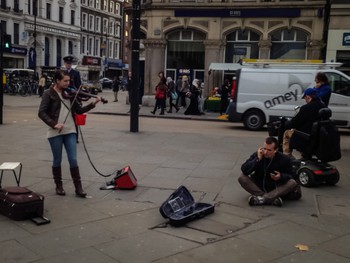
254 120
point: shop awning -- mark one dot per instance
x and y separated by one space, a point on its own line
225 66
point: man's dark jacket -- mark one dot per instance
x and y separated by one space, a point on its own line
260 170
306 116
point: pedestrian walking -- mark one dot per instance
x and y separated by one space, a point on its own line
115 88
185 88
172 95
42 84
160 97
193 94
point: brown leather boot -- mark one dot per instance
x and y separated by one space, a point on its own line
57 176
77 182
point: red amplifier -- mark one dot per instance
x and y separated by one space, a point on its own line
125 179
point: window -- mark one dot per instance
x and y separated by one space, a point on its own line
70 47
60 14
82 45
3 26
117 29
288 44
83 2
91 22
339 84
116 50
3 4
47 52
110 28
110 49
111 7
185 52
91 3
72 17
105 21
97 45
59 52
28 6
90 45
117 8
35 7
84 21
104 5
98 24
15 33
48 11
97 4
16 5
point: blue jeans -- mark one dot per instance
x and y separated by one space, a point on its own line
70 143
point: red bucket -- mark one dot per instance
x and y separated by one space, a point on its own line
80 119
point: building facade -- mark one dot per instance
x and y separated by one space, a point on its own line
186 36
338 44
44 31
100 44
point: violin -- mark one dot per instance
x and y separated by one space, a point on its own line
81 95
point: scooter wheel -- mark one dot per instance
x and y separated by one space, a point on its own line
333 179
306 177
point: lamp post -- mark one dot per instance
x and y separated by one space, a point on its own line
1 71
135 74
35 13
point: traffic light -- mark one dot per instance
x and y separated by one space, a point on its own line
7 41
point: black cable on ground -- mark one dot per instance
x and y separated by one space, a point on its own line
87 153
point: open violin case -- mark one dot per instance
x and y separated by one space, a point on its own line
180 208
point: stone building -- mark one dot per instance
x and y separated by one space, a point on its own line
338 44
44 31
186 36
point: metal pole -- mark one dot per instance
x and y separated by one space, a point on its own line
135 74
35 13
1 71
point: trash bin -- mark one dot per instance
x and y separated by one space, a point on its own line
213 104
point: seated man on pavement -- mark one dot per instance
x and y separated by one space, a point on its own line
303 122
268 176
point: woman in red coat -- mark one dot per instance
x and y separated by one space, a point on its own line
160 96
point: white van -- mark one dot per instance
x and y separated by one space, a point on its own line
263 92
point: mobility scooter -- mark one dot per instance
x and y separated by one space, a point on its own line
321 146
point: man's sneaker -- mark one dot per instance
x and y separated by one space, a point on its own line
255 200
277 202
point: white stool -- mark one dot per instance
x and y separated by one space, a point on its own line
11 166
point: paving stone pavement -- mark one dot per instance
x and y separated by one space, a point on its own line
126 226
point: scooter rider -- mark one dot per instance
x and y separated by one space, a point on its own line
303 122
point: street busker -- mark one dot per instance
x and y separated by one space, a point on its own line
57 111
268 176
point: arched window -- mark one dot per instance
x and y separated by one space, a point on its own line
241 44
47 51
185 50
59 52
288 44
70 47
